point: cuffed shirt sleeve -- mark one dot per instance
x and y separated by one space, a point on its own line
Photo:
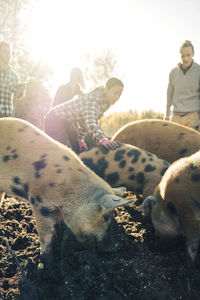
91 126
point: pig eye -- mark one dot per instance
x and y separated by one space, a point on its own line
172 208
106 218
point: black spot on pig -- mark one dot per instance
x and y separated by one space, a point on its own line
132 177
112 178
119 155
135 154
45 211
98 168
38 198
183 152
21 192
38 165
122 164
21 129
195 177
65 157
149 168
82 171
149 154
181 135
140 178
16 180
162 172
6 158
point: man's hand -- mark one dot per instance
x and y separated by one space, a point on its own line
110 144
83 146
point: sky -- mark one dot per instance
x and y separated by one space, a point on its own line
144 36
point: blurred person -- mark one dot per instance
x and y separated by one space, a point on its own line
9 82
183 92
73 88
83 113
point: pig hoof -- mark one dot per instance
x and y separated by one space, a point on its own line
192 250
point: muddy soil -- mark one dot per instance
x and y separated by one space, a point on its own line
131 268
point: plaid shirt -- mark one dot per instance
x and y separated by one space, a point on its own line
86 111
8 85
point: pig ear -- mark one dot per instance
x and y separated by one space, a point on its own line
110 202
147 205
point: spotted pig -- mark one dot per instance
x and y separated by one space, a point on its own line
56 183
175 206
130 166
167 140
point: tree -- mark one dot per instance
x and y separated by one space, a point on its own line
13 21
14 16
98 66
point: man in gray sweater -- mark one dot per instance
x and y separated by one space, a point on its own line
183 93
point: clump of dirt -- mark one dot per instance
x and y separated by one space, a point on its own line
131 268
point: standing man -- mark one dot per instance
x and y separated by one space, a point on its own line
183 93
9 82
73 88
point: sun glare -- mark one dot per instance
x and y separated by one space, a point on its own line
140 37
59 30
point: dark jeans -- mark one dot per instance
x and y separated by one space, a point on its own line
61 130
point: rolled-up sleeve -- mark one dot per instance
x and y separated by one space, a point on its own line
91 125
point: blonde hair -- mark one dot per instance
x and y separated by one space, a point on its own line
187 43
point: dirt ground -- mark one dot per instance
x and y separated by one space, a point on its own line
132 268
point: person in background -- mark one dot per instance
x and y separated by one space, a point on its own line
84 112
73 88
9 82
183 93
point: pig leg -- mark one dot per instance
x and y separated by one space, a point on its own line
45 223
192 250
191 231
